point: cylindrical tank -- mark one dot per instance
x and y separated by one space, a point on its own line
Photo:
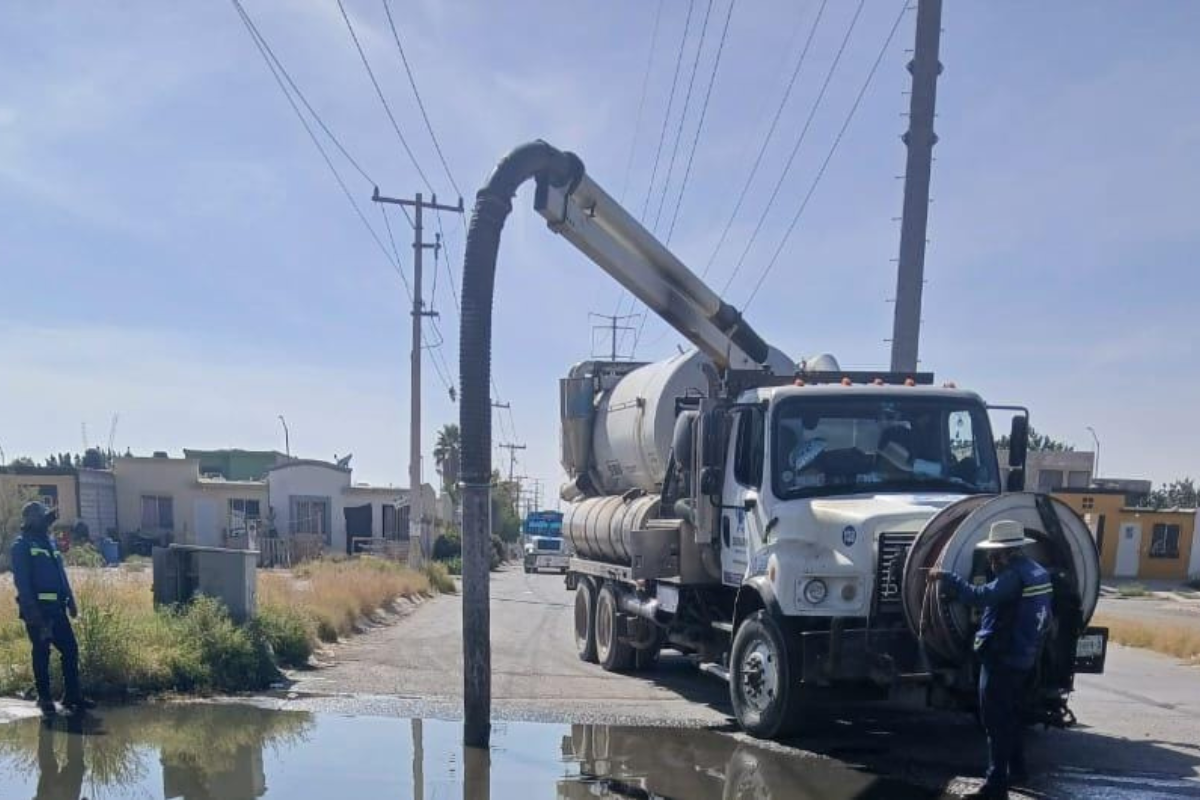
634 422
600 527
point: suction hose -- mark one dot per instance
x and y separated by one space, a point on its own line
493 204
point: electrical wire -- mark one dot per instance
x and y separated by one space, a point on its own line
687 101
382 98
412 81
687 173
796 147
737 207
269 60
828 156
637 125
662 134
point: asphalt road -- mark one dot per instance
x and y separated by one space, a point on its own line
1139 731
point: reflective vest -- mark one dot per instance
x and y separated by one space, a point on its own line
38 571
1016 613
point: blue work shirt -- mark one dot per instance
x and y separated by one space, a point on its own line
1016 612
39 575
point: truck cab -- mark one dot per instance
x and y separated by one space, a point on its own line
542 542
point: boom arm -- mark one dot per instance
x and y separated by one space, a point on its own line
607 234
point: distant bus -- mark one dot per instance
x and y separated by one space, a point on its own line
544 546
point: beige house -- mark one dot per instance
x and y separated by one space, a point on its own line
54 486
167 500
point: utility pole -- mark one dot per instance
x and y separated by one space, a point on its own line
418 531
920 139
512 457
613 329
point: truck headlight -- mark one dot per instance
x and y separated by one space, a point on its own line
815 591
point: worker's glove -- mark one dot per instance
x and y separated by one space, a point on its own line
72 609
937 574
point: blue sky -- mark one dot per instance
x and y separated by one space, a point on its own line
173 248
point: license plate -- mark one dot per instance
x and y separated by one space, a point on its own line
1090 646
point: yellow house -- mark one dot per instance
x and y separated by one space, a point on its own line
1141 543
54 486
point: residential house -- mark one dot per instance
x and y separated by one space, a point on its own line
54 486
1134 542
168 500
236 465
1049 471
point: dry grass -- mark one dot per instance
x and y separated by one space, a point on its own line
1172 639
126 644
334 596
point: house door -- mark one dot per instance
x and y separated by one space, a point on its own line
205 514
1129 548
358 525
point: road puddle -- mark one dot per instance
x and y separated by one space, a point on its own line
229 752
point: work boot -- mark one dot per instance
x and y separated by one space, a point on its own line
79 704
48 709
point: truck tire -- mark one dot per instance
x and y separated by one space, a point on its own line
585 620
764 678
613 652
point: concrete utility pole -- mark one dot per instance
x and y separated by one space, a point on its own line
920 139
418 530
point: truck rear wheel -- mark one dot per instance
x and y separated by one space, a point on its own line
585 619
764 675
614 653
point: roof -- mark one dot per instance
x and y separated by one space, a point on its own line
235 451
308 462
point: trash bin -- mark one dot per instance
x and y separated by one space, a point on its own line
111 550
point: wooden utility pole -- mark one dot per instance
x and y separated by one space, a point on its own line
512 457
920 139
418 531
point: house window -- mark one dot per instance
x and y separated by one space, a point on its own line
158 513
310 515
242 512
1164 541
1089 503
1078 479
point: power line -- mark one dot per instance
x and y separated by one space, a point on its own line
829 156
420 103
268 59
662 134
796 148
382 99
766 140
687 101
637 125
703 113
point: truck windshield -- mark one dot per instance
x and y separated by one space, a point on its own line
826 446
543 523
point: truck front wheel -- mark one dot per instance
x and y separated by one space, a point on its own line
585 619
764 678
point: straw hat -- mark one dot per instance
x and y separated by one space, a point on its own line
1004 534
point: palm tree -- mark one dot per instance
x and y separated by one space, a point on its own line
446 455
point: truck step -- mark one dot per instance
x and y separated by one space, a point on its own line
716 670
727 627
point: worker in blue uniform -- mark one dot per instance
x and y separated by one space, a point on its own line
1016 613
45 601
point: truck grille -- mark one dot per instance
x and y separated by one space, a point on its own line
889 577
549 545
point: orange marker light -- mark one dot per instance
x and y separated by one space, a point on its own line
909 382
878 381
949 385
798 382
846 382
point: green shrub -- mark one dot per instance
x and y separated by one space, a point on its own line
439 577
290 633
453 565
83 555
447 546
213 653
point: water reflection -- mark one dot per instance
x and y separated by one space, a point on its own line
649 762
237 752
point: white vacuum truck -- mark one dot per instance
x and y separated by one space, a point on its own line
778 519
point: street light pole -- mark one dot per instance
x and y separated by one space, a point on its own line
287 441
1096 440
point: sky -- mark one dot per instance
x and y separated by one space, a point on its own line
174 249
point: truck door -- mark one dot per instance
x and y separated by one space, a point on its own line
741 529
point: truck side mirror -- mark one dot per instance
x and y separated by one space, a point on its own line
1018 449
750 501
711 481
